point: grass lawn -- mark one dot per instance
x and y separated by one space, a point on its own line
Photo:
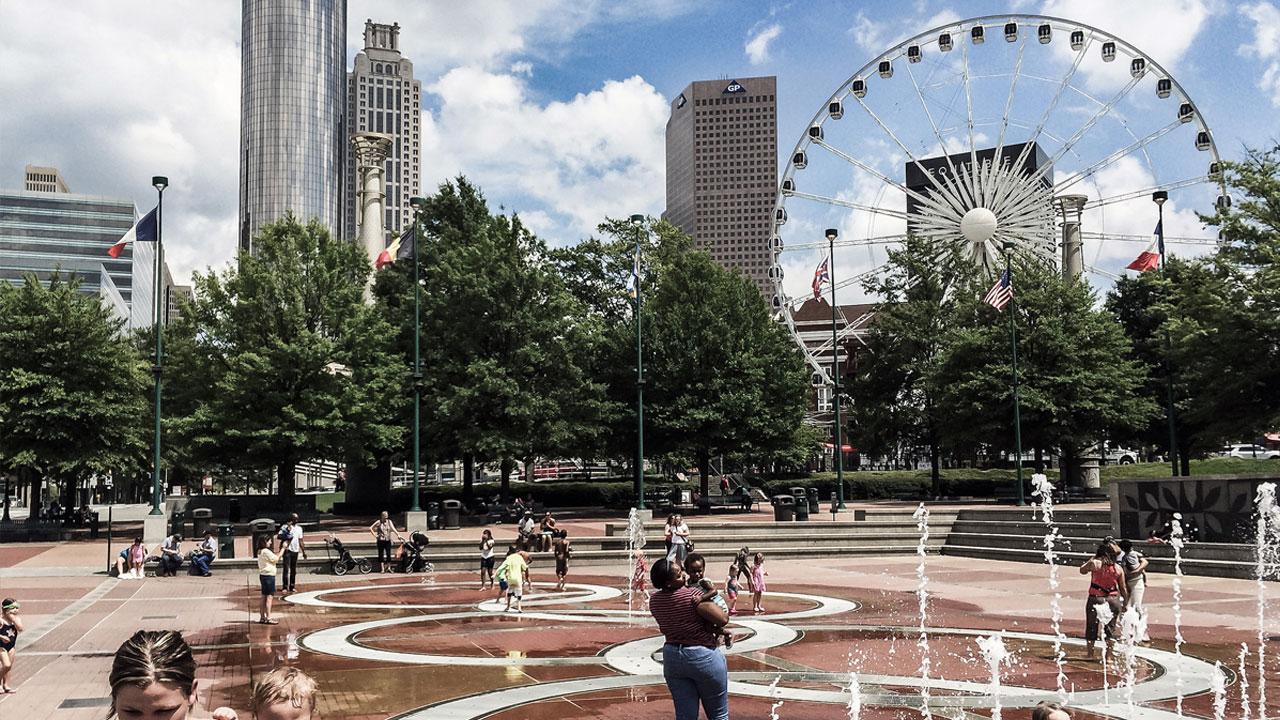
1208 466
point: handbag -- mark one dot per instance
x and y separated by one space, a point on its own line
688 545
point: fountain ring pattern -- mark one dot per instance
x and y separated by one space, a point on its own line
639 660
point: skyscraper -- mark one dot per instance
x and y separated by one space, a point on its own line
292 102
722 171
383 97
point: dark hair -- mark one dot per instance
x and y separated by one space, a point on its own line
263 542
1047 708
660 573
693 558
1106 554
149 657
1126 545
564 533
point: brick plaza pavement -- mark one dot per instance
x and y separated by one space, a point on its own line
75 621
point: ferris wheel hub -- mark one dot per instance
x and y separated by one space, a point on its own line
978 225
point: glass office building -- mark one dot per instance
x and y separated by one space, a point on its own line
292 103
47 232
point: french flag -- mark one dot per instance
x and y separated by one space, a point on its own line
142 231
1150 258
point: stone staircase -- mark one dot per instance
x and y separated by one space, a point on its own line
1017 534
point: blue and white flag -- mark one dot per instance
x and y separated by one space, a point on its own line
633 280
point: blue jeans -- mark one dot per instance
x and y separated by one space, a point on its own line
201 563
694 674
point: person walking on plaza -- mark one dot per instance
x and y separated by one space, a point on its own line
294 546
1106 587
10 626
692 664
171 555
732 588
1135 577
515 571
561 547
205 554
267 560
639 578
383 530
679 538
486 559
758 575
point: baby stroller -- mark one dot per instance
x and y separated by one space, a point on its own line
345 562
411 558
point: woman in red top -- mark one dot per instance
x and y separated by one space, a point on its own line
1106 587
692 664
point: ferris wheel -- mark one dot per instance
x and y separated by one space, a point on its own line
990 133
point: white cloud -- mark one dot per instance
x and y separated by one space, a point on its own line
1264 19
1163 30
522 68
600 154
868 34
758 45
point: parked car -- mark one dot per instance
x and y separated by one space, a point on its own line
1250 451
1120 456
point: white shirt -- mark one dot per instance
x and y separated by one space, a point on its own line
295 539
486 549
676 537
210 547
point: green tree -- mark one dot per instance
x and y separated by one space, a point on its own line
1078 381
503 338
720 375
73 393
296 365
894 390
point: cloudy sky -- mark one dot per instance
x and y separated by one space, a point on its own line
556 108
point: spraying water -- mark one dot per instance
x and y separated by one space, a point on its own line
922 524
855 696
1268 518
1044 489
1177 540
1105 616
1244 682
635 556
773 694
1133 627
994 652
1219 684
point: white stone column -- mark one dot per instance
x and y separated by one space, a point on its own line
371 157
1071 207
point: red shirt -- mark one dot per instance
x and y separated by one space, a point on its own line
1105 581
678 618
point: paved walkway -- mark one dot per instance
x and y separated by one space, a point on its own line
571 658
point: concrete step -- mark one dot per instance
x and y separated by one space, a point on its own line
1078 529
1159 566
767 529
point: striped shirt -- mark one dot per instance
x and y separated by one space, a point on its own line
678 619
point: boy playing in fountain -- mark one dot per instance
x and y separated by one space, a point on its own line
695 566
285 693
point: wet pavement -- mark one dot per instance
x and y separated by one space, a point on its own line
396 646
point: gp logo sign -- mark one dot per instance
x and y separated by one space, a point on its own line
734 87
680 101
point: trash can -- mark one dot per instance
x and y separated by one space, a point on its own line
802 503
433 515
452 514
201 519
813 501
784 508
94 524
677 495
233 510
226 540
178 522
260 527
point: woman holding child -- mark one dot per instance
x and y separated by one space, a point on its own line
692 664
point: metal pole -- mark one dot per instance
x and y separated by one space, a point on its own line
637 221
417 361
1017 419
1160 197
835 371
157 289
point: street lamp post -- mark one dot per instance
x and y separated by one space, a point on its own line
1017 418
1159 197
160 183
418 205
637 221
835 370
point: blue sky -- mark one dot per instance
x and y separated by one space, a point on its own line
555 108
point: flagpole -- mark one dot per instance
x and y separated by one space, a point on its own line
417 203
1159 197
835 368
638 221
1013 334
159 182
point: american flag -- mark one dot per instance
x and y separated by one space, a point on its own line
820 276
1001 293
